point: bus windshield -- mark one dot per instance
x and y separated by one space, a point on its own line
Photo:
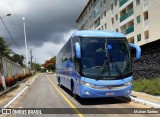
105 58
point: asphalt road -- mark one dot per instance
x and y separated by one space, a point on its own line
45 93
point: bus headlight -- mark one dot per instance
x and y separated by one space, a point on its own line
127 83
87 84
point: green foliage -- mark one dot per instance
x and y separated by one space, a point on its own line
4 48
150 86
6 52
18 59
36 66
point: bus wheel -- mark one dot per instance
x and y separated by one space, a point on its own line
74 95
59 82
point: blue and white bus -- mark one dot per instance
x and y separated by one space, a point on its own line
94 64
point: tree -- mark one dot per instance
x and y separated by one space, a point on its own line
36 66
50 64
18 59
6 52
4 48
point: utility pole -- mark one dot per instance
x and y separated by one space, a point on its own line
25 41
35 65
35 59
31 57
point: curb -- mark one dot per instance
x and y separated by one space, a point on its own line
24 89
9 89
144 102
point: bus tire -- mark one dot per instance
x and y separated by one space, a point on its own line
74 95
59 82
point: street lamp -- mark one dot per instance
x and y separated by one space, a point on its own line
25 41
1 61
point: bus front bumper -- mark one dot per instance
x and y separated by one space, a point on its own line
88 92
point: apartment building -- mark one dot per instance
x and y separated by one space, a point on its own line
139 20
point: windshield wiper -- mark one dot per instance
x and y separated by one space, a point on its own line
103 69
104 66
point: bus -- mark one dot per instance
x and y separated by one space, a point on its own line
96 64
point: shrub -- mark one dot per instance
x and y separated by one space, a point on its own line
28 74
10 81
16 77
1 86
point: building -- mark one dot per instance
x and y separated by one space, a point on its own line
139 20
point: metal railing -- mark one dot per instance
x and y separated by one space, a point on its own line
95 3
122 2
126 15
96 14
130 29
97 24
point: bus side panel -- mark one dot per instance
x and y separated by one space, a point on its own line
76 80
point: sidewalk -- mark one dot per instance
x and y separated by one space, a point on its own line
143 98
12 92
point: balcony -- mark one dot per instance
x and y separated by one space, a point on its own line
122 2
126 15
130 29
95 3
96 14
97 24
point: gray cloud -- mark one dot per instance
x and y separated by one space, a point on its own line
47 22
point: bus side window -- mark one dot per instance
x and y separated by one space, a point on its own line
68 51
77 62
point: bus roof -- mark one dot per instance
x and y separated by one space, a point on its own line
97 33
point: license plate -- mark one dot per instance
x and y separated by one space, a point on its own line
110 93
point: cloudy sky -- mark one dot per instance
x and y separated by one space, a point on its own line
49 23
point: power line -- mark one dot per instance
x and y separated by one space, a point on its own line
11 35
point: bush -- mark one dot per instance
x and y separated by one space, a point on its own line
150 86
28 74
10 81
1 86
16 77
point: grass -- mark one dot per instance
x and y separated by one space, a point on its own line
150 86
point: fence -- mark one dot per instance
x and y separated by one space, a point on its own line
10 68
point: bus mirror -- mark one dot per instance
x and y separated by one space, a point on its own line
138 50
78 50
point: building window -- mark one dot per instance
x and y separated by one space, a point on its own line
105 25
116 17
139 37
115 2
112 7
104 1
137 2
138 19
117 30
104 13
101 3
146 34
112 20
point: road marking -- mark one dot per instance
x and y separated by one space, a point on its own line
67 100
20 93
